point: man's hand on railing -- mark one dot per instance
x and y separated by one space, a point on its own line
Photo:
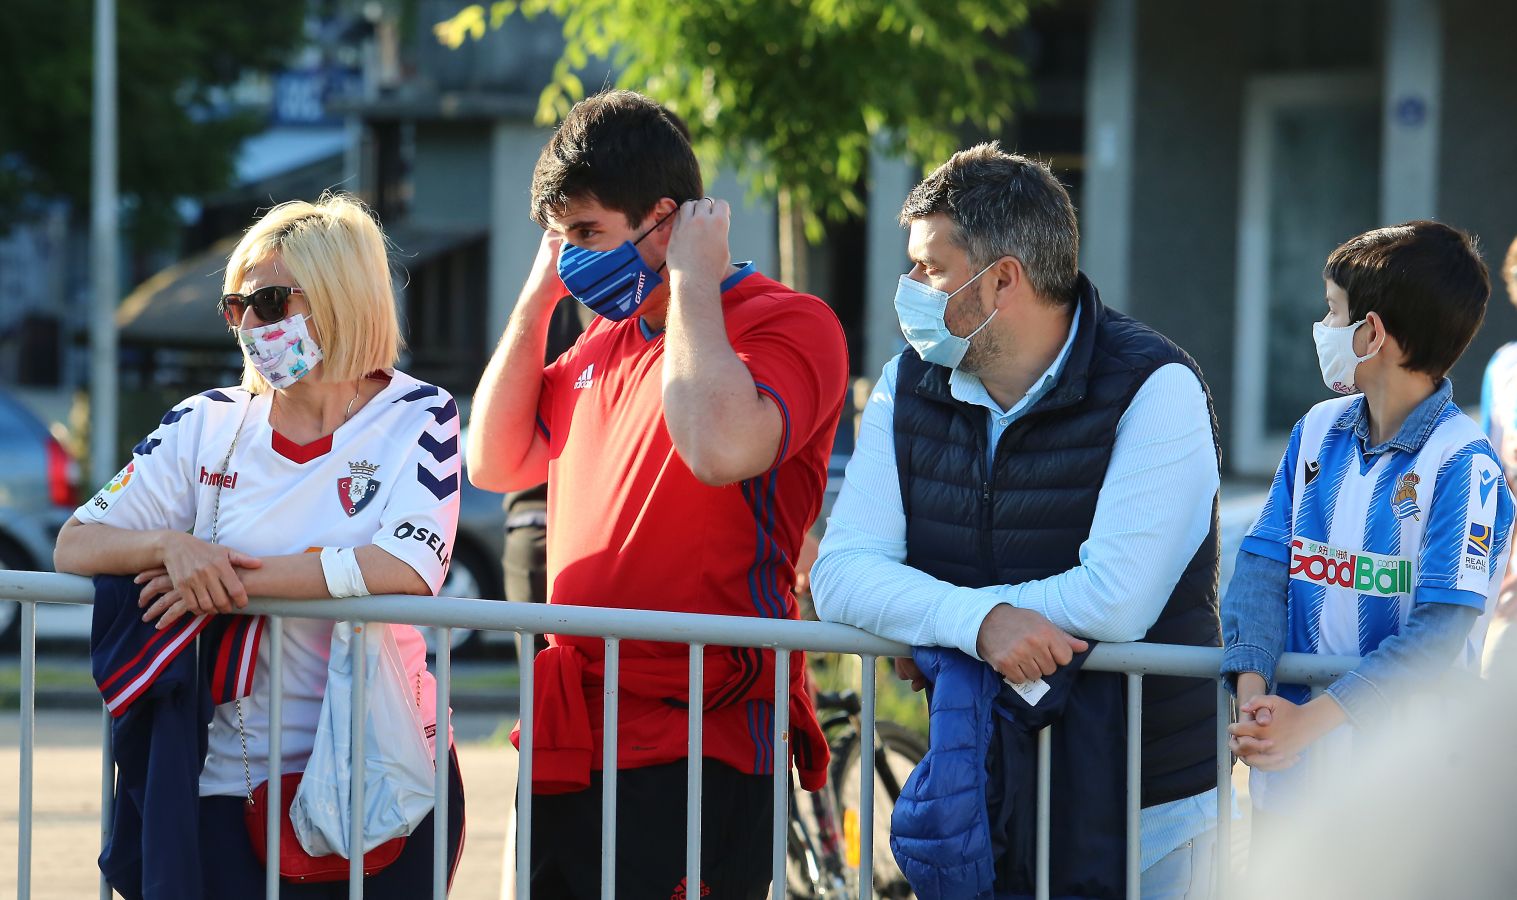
1022 645
906 669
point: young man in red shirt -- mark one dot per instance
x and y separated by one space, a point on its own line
684 440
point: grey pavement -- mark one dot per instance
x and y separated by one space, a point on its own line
66 789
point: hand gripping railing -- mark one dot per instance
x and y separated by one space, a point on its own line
614 625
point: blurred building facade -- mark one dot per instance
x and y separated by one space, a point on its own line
1216 152
1231 146
1226 148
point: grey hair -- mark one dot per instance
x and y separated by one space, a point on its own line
1005 204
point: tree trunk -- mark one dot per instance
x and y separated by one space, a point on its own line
792 243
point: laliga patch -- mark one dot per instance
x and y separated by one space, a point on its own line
102 502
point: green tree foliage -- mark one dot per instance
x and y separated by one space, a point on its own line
172 58
794 91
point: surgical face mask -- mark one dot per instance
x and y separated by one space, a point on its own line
282 352
613 283
1336 356
921 309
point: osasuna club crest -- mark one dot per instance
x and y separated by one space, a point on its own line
356 490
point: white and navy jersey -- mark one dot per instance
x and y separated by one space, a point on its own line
1365 538
388 477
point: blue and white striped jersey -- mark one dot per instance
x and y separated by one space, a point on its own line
1367 537
1428 519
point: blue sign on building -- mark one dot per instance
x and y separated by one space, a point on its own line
301 97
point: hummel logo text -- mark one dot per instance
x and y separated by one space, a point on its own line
585 378
219 479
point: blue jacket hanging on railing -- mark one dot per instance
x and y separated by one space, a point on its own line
965 825
161 702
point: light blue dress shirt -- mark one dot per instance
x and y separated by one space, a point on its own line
1153 512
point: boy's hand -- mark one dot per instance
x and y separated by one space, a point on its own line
1250 749
1289 728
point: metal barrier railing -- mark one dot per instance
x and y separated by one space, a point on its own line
614 625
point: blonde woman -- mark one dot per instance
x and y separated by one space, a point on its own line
326 473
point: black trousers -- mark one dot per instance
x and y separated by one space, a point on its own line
737 815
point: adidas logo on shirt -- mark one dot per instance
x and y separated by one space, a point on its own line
585 378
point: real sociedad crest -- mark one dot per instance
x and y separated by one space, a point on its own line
1404 501
355 491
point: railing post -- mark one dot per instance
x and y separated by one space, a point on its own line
608 771
275 626
1224 793
866 778
360 699
695 771
1134 785
441 746
780 762
526 666
107 792
1045 781
28 748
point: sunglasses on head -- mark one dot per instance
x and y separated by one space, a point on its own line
268 303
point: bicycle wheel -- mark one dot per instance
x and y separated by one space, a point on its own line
897 753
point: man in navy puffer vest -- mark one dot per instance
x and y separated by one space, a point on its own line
1034 473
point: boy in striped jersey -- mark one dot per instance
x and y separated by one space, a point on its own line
1386 530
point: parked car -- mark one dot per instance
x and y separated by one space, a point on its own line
38 490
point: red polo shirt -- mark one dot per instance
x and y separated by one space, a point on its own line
630 526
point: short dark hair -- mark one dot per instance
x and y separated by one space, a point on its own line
1005 204
620 149
1426 281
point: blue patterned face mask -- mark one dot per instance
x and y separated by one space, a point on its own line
613 283
921 308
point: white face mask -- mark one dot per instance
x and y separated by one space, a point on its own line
921 309
1336 356
282 352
